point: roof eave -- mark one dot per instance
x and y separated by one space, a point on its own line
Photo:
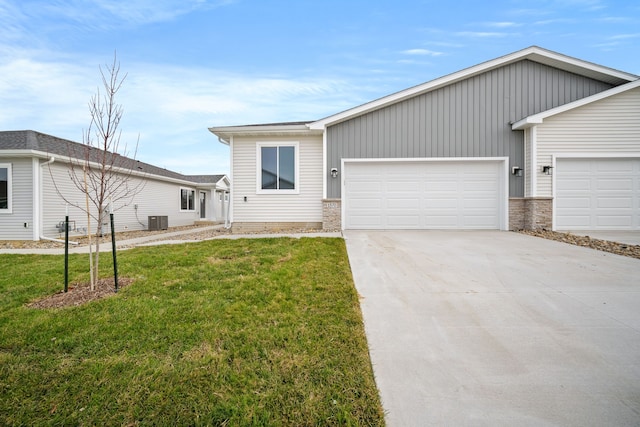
224 133
533 53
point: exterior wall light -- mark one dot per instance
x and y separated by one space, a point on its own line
334 172
547 170
517 171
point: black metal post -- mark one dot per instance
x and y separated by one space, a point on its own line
113 249
66 253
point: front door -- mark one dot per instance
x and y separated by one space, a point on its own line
203 205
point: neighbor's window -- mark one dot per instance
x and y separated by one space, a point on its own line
5 187
187 198
278 167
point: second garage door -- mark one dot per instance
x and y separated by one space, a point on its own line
598 194
424 195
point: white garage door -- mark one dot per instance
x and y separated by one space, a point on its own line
597 194
423 195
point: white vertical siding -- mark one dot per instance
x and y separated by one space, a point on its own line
303 207
156 198
527 163
605 127
12 224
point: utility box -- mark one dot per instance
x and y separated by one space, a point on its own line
158 222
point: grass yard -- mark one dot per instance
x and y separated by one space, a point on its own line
223 332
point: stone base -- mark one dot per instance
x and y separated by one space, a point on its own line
331 214
530 213
273 227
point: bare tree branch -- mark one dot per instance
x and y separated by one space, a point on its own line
101 172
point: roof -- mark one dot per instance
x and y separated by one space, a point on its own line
535 119
533 53
51 145
224 133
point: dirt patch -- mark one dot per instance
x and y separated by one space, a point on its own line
623 249
81 293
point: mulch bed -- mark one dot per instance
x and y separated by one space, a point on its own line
81 293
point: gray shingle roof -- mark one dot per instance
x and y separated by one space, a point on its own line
32 140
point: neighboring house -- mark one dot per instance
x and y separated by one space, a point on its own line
35 170
533 139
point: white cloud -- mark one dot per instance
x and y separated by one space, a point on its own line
502 24
482 34
423 52
625 36
169 107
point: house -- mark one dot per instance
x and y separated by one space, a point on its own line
533 139
35 174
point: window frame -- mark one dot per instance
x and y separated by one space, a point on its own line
296 159
193 198
9 207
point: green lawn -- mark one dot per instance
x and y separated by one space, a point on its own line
224 332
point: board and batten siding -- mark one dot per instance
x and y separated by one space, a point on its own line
12 224
156 198
306 206
469 118
607 127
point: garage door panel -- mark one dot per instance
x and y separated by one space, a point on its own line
620 184
365 203
403 203
597 194
480 204
423 195
574 202
615 203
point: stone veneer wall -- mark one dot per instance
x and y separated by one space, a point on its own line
530 213
331 214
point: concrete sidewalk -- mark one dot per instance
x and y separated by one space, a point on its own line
161 239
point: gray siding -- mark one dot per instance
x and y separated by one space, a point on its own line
12 224
470 118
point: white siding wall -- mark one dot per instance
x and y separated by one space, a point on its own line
528 170
156 198
303 207
605 127
12 224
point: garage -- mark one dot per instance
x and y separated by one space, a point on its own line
597 194
430 194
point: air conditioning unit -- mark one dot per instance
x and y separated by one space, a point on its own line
158 222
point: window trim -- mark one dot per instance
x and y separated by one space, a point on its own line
9 208
296 149
193 192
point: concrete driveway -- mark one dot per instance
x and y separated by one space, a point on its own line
499 329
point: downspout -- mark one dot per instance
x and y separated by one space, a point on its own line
227 224
41 225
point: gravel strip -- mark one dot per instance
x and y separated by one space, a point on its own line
623 249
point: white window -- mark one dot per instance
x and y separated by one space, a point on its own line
187 199
277 168
5 188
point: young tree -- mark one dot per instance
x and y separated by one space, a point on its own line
103 175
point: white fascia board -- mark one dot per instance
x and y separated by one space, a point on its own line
26 153
536 119
533 53
224 133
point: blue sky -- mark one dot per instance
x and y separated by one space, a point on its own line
193 64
